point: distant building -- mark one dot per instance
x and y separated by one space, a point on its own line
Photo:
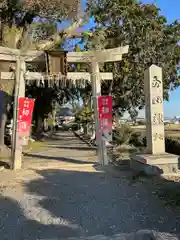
65 115
176 120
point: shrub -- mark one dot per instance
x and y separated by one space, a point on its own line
122 134
172 144
137 140
74 127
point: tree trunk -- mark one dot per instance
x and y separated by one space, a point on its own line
39 128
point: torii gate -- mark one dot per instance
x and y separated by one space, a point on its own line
93 57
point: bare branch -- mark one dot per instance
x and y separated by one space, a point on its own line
69 33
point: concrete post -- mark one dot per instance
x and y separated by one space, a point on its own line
153 87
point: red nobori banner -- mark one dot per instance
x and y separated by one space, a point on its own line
105 116
106 124
105 107
25 111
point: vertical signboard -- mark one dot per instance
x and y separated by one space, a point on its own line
25 111
105 116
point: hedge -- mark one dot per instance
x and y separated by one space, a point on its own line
172 143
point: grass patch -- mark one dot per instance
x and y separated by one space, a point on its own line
33 146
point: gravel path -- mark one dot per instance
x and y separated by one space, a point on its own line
61 195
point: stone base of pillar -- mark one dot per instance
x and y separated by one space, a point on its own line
157 164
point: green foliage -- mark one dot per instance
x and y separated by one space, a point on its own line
76 108
137 140
12 10
25 24
43 29
172 144
151 41
84 115
74 127
45 95
133 114
122 134
17 21
50 121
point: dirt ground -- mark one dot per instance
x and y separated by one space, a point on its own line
62 193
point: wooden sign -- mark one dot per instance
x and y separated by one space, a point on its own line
56 62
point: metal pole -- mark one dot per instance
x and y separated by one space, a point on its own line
96 88
16 148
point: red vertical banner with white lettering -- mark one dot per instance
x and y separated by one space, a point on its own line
25 112
105 116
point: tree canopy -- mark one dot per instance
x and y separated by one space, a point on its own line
23 11
151 40
16 17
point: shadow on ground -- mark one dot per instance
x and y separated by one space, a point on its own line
15 225
56 136
65 203
61 159
73 148
79 201
5 165
99 203
167 189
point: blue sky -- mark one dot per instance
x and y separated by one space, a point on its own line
171 9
